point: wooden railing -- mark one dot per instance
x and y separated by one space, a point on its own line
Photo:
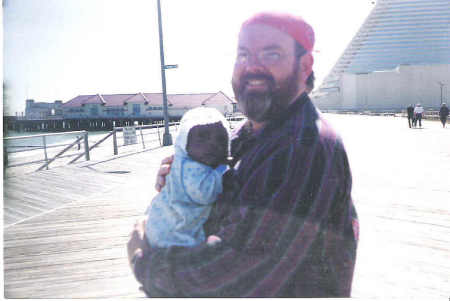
156 133
10 148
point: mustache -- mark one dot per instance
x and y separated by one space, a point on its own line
256 76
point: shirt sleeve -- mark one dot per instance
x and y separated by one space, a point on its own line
291 235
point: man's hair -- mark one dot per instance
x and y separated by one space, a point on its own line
299 50
310 80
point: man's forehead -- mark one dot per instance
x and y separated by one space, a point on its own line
264 36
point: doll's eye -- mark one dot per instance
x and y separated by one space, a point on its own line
203 134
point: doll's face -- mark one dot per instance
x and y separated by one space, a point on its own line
208 144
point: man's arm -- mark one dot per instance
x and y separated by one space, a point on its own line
137 245
271 243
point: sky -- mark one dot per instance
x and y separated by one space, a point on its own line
58 49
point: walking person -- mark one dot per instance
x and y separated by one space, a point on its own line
443 114
418 112
410 112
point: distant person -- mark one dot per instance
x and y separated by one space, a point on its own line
310 83
443 114
410 112
177 214
418 112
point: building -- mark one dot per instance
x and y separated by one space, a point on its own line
400 55
142 105
106 111
43 110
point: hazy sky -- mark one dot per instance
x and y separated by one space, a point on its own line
58 49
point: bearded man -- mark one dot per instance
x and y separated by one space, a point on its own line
286 221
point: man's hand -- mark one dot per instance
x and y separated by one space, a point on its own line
164 170
137 245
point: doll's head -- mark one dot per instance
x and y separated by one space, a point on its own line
203 135
208 144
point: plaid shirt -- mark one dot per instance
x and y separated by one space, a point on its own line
286 219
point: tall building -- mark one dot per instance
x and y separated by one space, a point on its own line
400 55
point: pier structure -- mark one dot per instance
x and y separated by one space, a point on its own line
104 111
88 124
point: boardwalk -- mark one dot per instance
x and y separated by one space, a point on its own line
74 246
68 240
402 194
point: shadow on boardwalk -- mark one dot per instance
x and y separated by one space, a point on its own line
68 239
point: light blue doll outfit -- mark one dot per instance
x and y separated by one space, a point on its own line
177 214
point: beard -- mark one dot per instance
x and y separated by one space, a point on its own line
268 105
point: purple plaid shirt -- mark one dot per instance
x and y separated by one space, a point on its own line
286 220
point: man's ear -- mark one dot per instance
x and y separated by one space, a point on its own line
306 63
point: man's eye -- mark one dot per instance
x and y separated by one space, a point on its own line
271 56
242 57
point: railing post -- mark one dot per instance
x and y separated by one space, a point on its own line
159 136
115 141
142 138
45 149
5 156
86 146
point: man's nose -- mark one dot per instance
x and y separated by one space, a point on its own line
254 64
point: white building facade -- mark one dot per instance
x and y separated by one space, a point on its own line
43 110
400 56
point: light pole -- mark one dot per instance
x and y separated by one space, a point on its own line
167 138
441 84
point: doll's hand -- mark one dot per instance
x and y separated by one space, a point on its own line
213 240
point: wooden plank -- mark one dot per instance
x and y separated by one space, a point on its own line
19 196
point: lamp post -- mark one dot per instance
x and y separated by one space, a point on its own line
442 86
167 138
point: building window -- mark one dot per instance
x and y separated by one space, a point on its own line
136 109
154 108
94 111
115 112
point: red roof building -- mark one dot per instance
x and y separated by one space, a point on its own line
142 105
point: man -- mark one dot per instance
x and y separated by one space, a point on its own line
286 220
418 111
410 111
443 114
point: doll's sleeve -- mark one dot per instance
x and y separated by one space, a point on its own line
201 183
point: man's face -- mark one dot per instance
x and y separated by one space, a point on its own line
208 144
267 76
